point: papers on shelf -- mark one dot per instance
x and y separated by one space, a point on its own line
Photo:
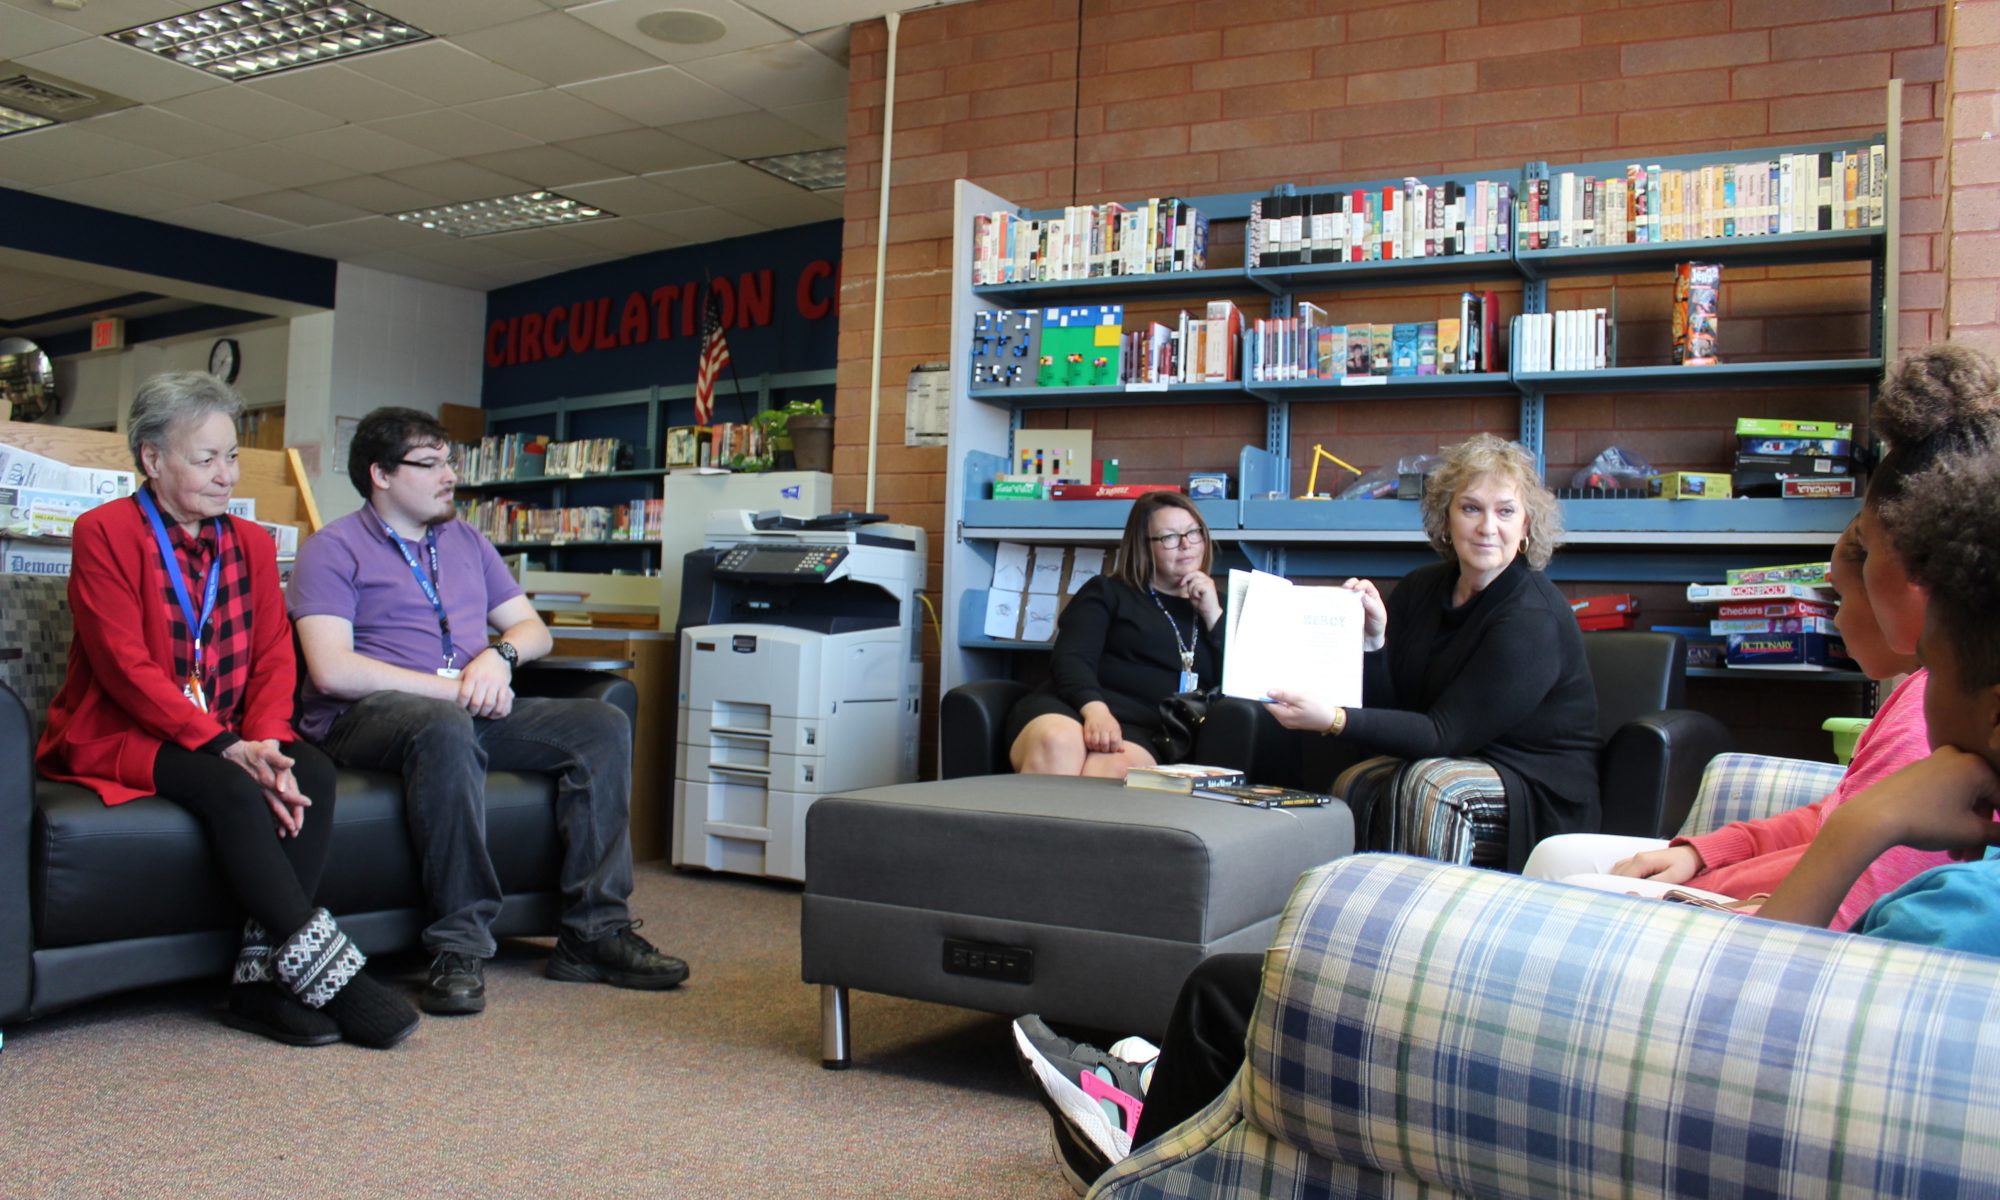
1281 636
1084 563
1010 567
1003 614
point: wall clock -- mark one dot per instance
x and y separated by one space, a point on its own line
224 359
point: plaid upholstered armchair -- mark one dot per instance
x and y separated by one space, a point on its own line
1436 1030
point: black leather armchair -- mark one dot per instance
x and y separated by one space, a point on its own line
96 900
1653 756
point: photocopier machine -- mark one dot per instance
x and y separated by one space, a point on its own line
801 675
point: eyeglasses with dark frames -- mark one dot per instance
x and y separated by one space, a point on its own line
1173 541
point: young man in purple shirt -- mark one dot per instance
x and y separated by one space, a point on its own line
392 605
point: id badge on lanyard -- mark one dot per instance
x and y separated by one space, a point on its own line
429 586
197 624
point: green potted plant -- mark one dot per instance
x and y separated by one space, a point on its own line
777 427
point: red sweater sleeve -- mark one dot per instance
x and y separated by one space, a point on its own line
107 580
1740 840
274 672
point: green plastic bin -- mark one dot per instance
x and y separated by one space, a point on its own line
1846 731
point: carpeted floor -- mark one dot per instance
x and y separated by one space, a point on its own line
558 1090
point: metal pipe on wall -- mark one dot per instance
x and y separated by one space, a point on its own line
894 20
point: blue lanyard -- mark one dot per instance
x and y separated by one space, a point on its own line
430 589
172 562
1186 648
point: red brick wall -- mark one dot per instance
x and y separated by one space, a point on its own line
1223 96
1973 121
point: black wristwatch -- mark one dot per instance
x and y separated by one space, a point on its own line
506 650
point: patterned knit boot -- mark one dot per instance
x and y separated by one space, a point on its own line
323 969
258 1005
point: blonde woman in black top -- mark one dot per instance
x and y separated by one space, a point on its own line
1127 640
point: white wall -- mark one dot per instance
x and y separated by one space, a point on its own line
96 389
391 340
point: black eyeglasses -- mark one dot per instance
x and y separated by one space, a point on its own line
434 464
1174 541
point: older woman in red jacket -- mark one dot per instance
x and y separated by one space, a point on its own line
180 684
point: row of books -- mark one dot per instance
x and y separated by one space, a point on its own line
1792 193
591 456
498 458
1579 339
1203 349
1306 347
1416 220
508 521
1090 241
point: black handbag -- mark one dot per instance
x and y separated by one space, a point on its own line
1181 716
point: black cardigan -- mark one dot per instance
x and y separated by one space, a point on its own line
1502 679
1114 644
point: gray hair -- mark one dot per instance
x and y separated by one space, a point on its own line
166 402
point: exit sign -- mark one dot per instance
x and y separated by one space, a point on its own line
107 333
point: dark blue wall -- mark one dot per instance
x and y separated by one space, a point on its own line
607 319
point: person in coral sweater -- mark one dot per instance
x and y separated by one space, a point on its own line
180 685
1939 401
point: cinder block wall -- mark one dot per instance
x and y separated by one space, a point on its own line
1051 102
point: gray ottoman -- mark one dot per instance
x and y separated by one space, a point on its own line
1079 899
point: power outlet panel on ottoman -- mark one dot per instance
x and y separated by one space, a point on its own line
1078 899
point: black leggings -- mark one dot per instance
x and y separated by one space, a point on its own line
1203 1048
273 878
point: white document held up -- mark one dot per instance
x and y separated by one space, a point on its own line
1284 637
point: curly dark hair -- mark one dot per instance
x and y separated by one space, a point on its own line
1946 524
384 437
1939 400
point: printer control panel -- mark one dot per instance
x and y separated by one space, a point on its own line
789 564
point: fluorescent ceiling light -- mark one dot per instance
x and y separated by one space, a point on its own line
504 214
256 37
13 120
815 170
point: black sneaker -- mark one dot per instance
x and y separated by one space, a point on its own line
620 958
457 985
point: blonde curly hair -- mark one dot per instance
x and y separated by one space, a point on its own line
1483 456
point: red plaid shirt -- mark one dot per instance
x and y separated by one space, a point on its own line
226 649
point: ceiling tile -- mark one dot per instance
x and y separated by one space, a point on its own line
161 130
359 149
727 183
381 233
776 75
641 151
108 193
398 263
446 18
659 96
780 212
204 181
748 135
322 241
267 119
81 154
705 224
122 70
457 182
225 219
278 166
374 194
104 18
538 244
24 33
549 115
827 118
805 16
332 89
620 19
443 72
556 48
545 166
451 132
623 237
299 208
631 197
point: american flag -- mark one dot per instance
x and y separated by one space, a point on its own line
714 357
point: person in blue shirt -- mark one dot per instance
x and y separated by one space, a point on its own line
1946 529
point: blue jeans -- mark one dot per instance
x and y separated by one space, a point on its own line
443 753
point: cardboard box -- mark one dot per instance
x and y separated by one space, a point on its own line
1208 485
1790 651
1691 485
1610 604
1818 489
1814 573
19 557
1018 489
1775 608
1767 427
